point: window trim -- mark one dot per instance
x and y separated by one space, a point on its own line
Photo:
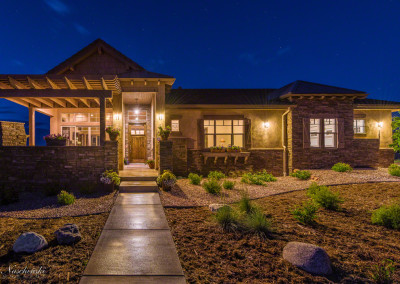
335 134
179 125
319 133
232 134
321 141
355 126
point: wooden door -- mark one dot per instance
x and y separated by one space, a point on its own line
138 148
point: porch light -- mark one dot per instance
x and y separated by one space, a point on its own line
379 124
137 111
160 116
117 116
266 124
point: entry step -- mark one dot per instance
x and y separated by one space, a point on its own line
138 186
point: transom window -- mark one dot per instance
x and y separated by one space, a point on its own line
223 133
329 126
359 126
85 117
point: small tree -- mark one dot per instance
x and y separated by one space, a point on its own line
396 134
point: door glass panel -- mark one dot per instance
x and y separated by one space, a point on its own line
95 136
69 132
82 135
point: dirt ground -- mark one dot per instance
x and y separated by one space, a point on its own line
59 264
186 194
209 255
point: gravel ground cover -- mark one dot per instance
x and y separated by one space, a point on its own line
355 246
186 194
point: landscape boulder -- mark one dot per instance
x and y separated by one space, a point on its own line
308 257
68 234
215 207
29 242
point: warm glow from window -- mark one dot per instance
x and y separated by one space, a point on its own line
175 125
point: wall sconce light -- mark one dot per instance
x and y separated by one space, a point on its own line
160 116
379 124
266 124
117 116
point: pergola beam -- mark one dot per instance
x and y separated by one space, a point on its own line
85 102
5 86
52 84
32 102
33 84
72 101
19 101
47 102
87 85
16 84
103 84
54 93
69 84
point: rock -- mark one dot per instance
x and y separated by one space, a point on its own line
68 234
308 257
29 242
215 207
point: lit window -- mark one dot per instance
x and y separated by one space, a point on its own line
81 117
175 125
330 133
315 132
223 133
359 126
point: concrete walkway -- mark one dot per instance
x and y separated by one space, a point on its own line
135 245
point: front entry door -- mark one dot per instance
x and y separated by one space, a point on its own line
137 141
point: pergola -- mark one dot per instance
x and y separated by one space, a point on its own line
60 91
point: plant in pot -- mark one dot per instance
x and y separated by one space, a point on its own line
151 164
234 149
164 132
55 140
113 133
166 180
217 149
109 179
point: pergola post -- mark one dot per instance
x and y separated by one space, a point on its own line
32 125
102 120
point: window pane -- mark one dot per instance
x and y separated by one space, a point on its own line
95 117
223 140
223 129
95 136
227 122
314 125
81 117
238 140
330 125
67 117
69 132
208 129
330 140
359 126
209 141
82 136
330 132
314 140
175 125
238 129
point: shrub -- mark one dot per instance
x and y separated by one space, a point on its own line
216 175
166 180
8 194
65 198
258 178
394 170
87 188
383 273
342 167
303 175
194 178
324 197
212 186
257 223
245 205
388 216
228 184
109 177
227 218
306 213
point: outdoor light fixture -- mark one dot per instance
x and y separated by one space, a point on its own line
136 111
266 124
117 116
160 116
379 124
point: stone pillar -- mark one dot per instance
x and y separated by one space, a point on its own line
102 120
32 125
118 122
166 158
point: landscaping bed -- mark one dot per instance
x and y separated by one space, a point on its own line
59 263
186 194
35 205
355 245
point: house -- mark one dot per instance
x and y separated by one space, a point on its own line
301 125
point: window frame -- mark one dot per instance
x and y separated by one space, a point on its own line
232 134
322 132
355 126
319 132
335 133
179 126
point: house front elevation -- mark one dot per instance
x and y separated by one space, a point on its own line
302 125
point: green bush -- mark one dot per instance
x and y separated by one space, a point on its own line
195 179
342 167
383 273
388 216
394 170
113 176
227 218
258 178
212 186
306 213
303 175
87 188
8 195
216 175
166 180
228 184
257 223
65 198
324 197
245 205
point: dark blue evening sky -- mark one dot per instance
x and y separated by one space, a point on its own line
213 44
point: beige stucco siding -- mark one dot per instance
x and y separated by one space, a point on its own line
372 117
261 137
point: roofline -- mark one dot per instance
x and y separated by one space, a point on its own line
226 106
355 95
54 93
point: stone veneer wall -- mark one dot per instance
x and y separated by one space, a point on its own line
166 156
127 121
12 134
356 152
32 167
